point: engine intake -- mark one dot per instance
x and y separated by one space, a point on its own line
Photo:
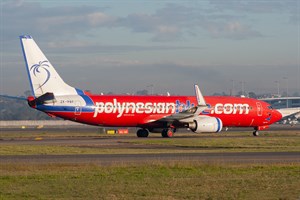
206 125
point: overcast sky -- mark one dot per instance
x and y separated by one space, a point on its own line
123 46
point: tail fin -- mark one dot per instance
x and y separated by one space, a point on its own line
42 76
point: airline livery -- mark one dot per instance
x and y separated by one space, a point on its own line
164 114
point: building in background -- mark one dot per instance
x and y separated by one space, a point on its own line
286 102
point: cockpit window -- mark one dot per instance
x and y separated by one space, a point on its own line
270 107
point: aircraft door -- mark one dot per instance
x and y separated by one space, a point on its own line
259 109
77 108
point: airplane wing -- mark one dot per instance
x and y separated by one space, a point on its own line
190 113
290 115
290 112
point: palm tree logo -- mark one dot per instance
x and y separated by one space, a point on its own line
39 68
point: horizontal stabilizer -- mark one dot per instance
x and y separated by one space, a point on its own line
42 99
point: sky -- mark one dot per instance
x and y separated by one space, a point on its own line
123 46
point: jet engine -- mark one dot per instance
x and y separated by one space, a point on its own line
205 124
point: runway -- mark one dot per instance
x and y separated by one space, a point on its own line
108 159
139 152
137 158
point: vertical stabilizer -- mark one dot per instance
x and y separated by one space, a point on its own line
43 77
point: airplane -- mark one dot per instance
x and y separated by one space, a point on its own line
155 114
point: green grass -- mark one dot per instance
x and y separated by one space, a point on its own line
151 181
62 150
185 145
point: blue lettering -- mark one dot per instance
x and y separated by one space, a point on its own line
207 111
180 107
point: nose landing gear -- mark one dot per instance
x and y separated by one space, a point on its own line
259 128
255 133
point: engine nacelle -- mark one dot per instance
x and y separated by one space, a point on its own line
205 124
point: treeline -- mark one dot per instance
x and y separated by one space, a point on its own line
12 109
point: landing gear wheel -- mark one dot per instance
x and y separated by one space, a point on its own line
167 133
142 133
255 133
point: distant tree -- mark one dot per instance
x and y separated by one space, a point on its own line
296 94
284 94
142 92
219 94
216 94
224 94
240 93
27 93
12 109
252 95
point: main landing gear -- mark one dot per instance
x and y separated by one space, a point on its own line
142 133
167 133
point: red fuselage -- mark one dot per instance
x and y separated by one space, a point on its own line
146 111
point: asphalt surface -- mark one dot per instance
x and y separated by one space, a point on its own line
122 142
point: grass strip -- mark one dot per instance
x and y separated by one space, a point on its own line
182 180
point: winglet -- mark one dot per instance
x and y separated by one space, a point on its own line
199 96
